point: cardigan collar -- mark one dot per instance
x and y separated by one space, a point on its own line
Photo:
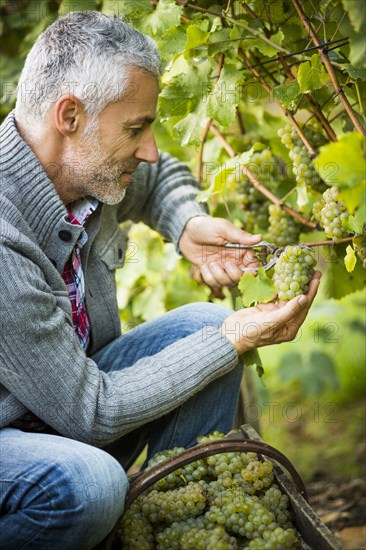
27 185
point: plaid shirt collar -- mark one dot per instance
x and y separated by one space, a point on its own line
73 274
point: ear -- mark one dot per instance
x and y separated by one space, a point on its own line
69 115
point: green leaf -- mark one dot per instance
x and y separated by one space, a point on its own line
252 359
259 289
129 9
302 195
225 97
310 75
267 49
196 36
356 13
337 282
231 172
354 73
287 93
357 56
174 100
342 163
350 259
356 222
172 42
164 17
189 129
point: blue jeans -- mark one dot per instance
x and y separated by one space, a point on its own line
57 493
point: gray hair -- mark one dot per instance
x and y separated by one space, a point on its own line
88 54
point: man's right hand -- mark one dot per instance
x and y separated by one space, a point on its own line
271 323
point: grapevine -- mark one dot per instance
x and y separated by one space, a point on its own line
235 505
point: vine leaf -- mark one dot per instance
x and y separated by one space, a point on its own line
287 93
259 289
337 282
252 359
164 17
267 49
350 259
129 9
342 163
172 42
231 171
196 36
189 129
225 97
311 74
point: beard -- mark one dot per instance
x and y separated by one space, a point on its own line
91 172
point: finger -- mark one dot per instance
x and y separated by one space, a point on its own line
233 234
223 275
233 271
213 277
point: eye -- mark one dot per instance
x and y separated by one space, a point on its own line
136 131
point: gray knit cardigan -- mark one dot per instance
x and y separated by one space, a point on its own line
43 369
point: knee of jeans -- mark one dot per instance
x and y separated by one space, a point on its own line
205 314
92 490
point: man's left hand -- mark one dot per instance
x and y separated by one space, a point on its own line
202 244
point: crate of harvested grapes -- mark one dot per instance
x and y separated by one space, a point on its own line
226 493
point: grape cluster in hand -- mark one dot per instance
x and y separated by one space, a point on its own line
332 214
233 504
293 271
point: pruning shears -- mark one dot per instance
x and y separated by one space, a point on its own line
267 253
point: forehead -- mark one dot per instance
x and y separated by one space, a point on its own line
138 100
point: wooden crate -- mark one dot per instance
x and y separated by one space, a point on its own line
315 534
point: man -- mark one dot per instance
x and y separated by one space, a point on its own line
74 164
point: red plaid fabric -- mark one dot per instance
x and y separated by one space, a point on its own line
74 279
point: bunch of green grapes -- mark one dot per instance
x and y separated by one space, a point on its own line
173 505
202 539
293 271
302 164
283 229
332 214
231 504
265 167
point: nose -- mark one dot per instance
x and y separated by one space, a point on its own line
147 150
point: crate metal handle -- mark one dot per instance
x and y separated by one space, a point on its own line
142 481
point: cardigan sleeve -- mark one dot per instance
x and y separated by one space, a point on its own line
46 370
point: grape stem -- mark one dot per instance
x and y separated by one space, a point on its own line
329 242
330 70
261 188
